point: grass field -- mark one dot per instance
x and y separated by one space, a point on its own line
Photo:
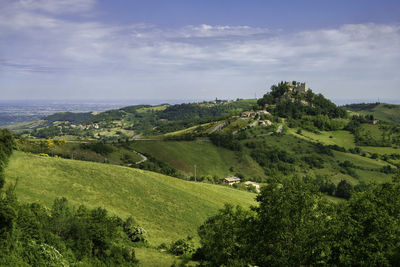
374 130
341 138
385 112
168 208
372 166
209 159
380 150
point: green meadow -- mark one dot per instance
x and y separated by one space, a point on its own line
341 138
168 208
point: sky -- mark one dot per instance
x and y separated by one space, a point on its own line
197 50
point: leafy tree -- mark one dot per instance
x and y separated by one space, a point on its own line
368 232
291 226
344 189
221 236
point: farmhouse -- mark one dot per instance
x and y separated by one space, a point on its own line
231 180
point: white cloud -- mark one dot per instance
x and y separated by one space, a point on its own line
211 59
55 6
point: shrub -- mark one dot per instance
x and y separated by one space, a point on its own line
182 247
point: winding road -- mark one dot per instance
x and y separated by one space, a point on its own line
144 158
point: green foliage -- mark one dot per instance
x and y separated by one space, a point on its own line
155 165
347 167
195 110
182 247
31 236
109 115
273 159
225 140
72 117
380 111
221 236
368 233
294 226
287 229
344 190
62 236
148 196
6 146
325 185
134 232
98 147
289 104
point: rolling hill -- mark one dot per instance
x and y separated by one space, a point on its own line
168 208
208 158
380 111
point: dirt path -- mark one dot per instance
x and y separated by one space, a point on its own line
144 158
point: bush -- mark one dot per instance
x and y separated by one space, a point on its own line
182 247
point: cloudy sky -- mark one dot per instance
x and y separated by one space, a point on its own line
197 49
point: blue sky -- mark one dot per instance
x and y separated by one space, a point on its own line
120 49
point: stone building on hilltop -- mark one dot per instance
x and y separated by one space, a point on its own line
298 87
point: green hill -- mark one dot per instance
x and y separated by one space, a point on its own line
208 158
380 111
168 208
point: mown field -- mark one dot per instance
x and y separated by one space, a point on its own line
168 208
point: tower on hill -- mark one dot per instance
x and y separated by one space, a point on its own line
296 87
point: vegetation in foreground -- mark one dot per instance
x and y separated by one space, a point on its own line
31 235
293 225
159 203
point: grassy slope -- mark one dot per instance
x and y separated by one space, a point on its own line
210 160
346 139
385 112
168 208
370 173
341 138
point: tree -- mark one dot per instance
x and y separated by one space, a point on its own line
221 236
291 227
344 189
368 230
